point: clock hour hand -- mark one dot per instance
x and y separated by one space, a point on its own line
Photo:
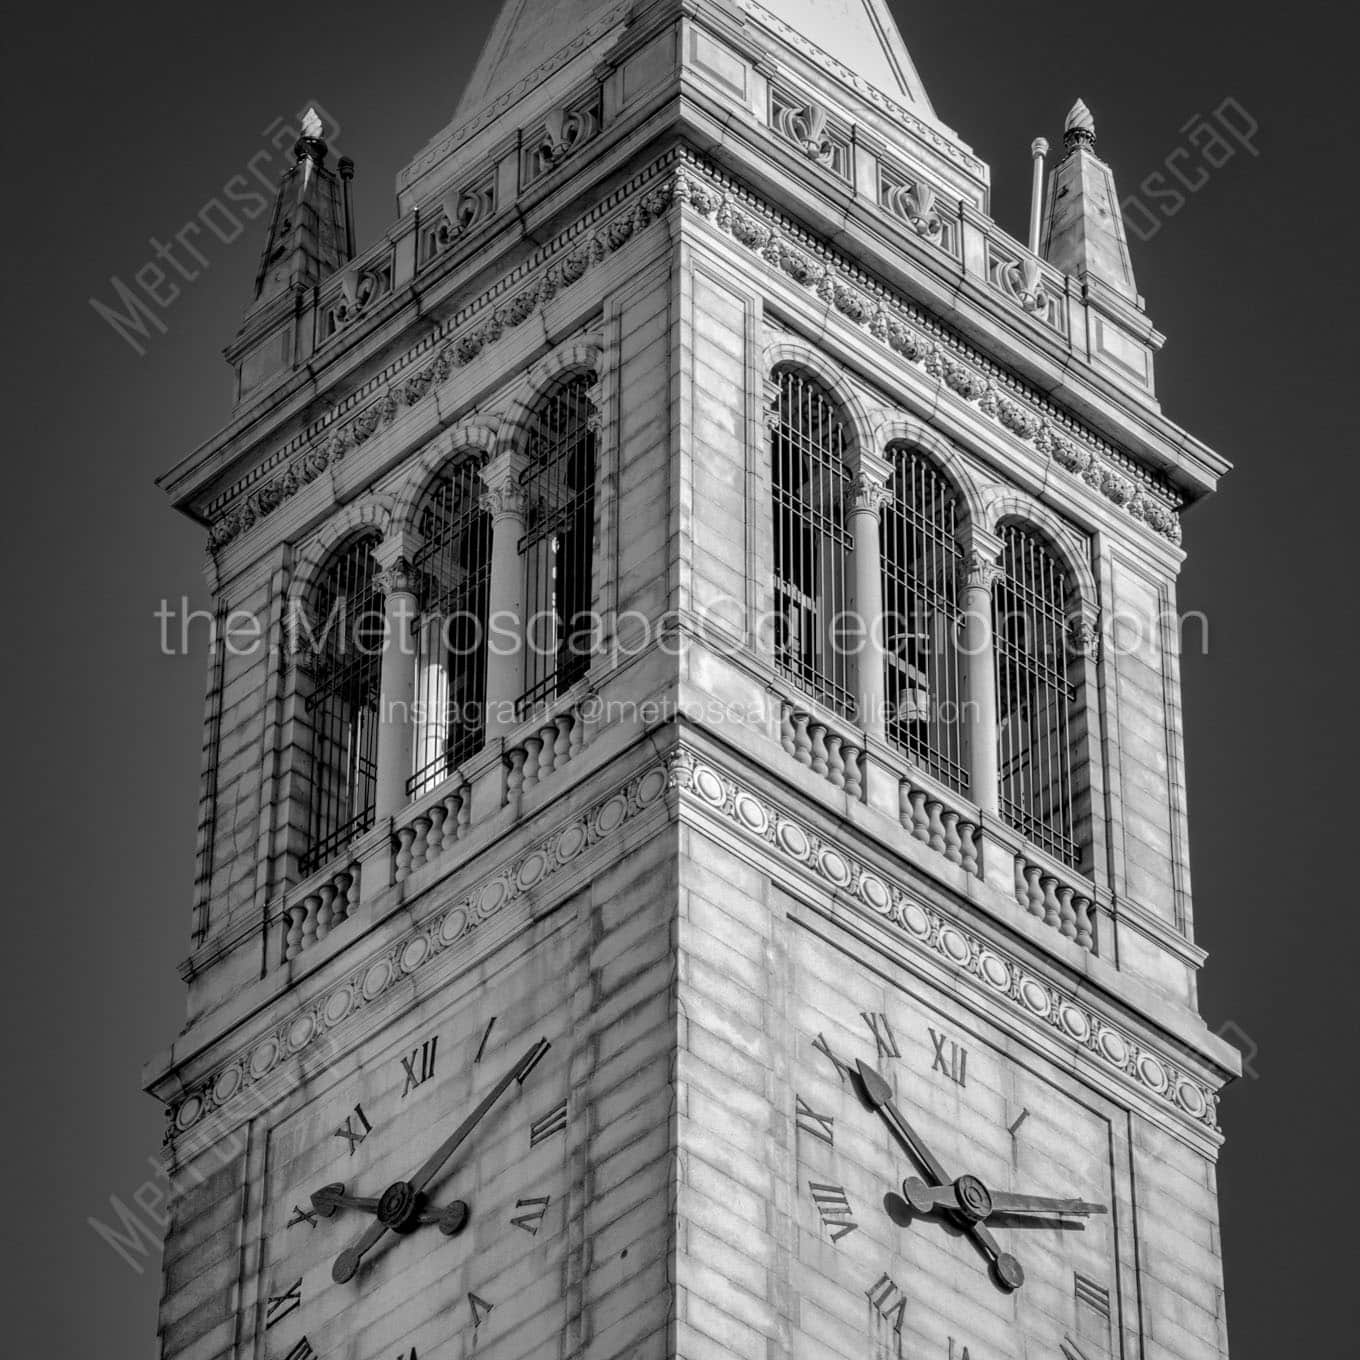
402 1206
332 1197
968 1196
1006 1268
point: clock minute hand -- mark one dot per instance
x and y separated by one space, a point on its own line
455 1140
1008 1270
1003 1203
923 1198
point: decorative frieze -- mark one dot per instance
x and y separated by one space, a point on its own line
808 126
326 1019
360 286
1017 275
457 213
563 132
913 201
924 341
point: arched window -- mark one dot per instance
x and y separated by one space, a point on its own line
921 561
1035 694
811 542
453 567
559 535
342 663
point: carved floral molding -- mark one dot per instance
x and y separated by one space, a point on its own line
889 319
324 1024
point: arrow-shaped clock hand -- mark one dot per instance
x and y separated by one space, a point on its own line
1007 1269
402 1203
963 1196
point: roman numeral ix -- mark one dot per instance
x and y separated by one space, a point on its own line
834 1207
302 1351
352 1134
950 1058
301 1215
279 1306
529 1214
818 1125
419 1067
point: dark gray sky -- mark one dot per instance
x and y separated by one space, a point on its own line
121 122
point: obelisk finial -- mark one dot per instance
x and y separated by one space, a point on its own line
1080 128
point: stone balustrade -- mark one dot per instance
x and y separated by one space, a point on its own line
319 907
813 742
948 828
533 757
431 829
1061 900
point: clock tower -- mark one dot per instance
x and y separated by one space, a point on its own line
693 851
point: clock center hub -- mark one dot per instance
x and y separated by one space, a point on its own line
974 1198
399 1207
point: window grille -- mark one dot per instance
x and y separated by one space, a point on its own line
811 543
344 665
453 567
921 563
559 487
1035 695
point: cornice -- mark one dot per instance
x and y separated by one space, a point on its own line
340 1013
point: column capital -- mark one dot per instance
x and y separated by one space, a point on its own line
868 494
1083 631
979 571
395 556
503 495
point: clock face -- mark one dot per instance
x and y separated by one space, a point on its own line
414 1208
955 1197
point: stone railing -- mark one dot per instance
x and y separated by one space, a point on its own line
814 742
431 829
941 823
319 907
1058 898
538 752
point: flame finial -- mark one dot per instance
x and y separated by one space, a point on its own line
1080 128
311 123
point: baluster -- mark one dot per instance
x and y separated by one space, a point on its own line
576 733
325 895
567 748
1035 894
532 746
464 811
835 762
352 892
340 908
1021 887
968 847
420 847
406 836
1085 934
817 731
310 905
514 779
953 846
802 742
1067 913
1052 911
547 751
434 839
920 819
854 771
935 827
786 728
292 940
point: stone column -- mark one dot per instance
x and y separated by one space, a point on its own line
869 494
981 570
504 501
396 725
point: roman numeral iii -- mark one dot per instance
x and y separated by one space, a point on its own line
555 1121
951 1059
834 1207
419 1067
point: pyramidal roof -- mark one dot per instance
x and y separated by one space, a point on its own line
859 34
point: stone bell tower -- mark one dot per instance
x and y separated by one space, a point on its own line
695 862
